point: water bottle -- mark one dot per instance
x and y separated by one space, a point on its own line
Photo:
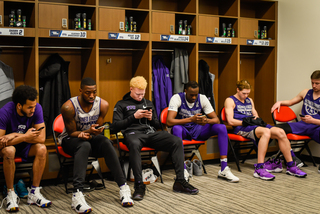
106 131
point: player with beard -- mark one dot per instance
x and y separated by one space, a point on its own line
82 137
22 133
310 112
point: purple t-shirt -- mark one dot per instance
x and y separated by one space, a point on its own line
11 121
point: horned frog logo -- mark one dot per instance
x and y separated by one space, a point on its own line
311 110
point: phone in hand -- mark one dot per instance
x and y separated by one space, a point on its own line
203 115
148 108
301 115
39 128
99 127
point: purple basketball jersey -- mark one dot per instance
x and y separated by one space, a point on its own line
185 112
310 106
242 110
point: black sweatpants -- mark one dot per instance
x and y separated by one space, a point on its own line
98 146
160 141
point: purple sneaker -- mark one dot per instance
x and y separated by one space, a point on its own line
262 173
295 171
274 165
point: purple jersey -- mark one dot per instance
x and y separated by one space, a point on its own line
185 112
242 110
11 121
310 106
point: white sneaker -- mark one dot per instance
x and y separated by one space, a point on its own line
12 201
125 196
148 177
37 198
79 204
227 175
186 175
189 167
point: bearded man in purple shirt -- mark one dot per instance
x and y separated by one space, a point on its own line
22 134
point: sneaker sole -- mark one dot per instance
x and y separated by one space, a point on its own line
87 211
275 170
300 165
263 178
43 205
13 210
127 204
298 176
194 193
229 180
137 198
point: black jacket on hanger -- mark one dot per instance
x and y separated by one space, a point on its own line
205 83
54 88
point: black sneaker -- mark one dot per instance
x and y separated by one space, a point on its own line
299 163
139 191
183 186
319 169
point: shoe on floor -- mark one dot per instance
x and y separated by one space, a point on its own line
197 167
21 189
12 201
79 204
189 167
227 175
262 173
273 165
125 196
182 186
139 191
148 177
299 163
186 175
37 198
295 171
319 169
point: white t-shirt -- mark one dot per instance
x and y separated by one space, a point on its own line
175 103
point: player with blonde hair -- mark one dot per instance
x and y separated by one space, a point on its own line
135 117
239 108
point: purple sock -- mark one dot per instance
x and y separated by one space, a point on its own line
33 188
292 153
290 164
259 165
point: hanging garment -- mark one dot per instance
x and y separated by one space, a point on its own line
212 76
162 85
205 83
54 88
7 85
179 70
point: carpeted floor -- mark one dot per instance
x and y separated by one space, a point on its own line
286 194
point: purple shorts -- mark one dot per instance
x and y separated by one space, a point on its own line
22 150
308 129
248 131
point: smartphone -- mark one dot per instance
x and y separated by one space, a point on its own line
99 127
39 128
301 115
148 108
203 115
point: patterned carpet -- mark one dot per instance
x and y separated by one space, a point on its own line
286 194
